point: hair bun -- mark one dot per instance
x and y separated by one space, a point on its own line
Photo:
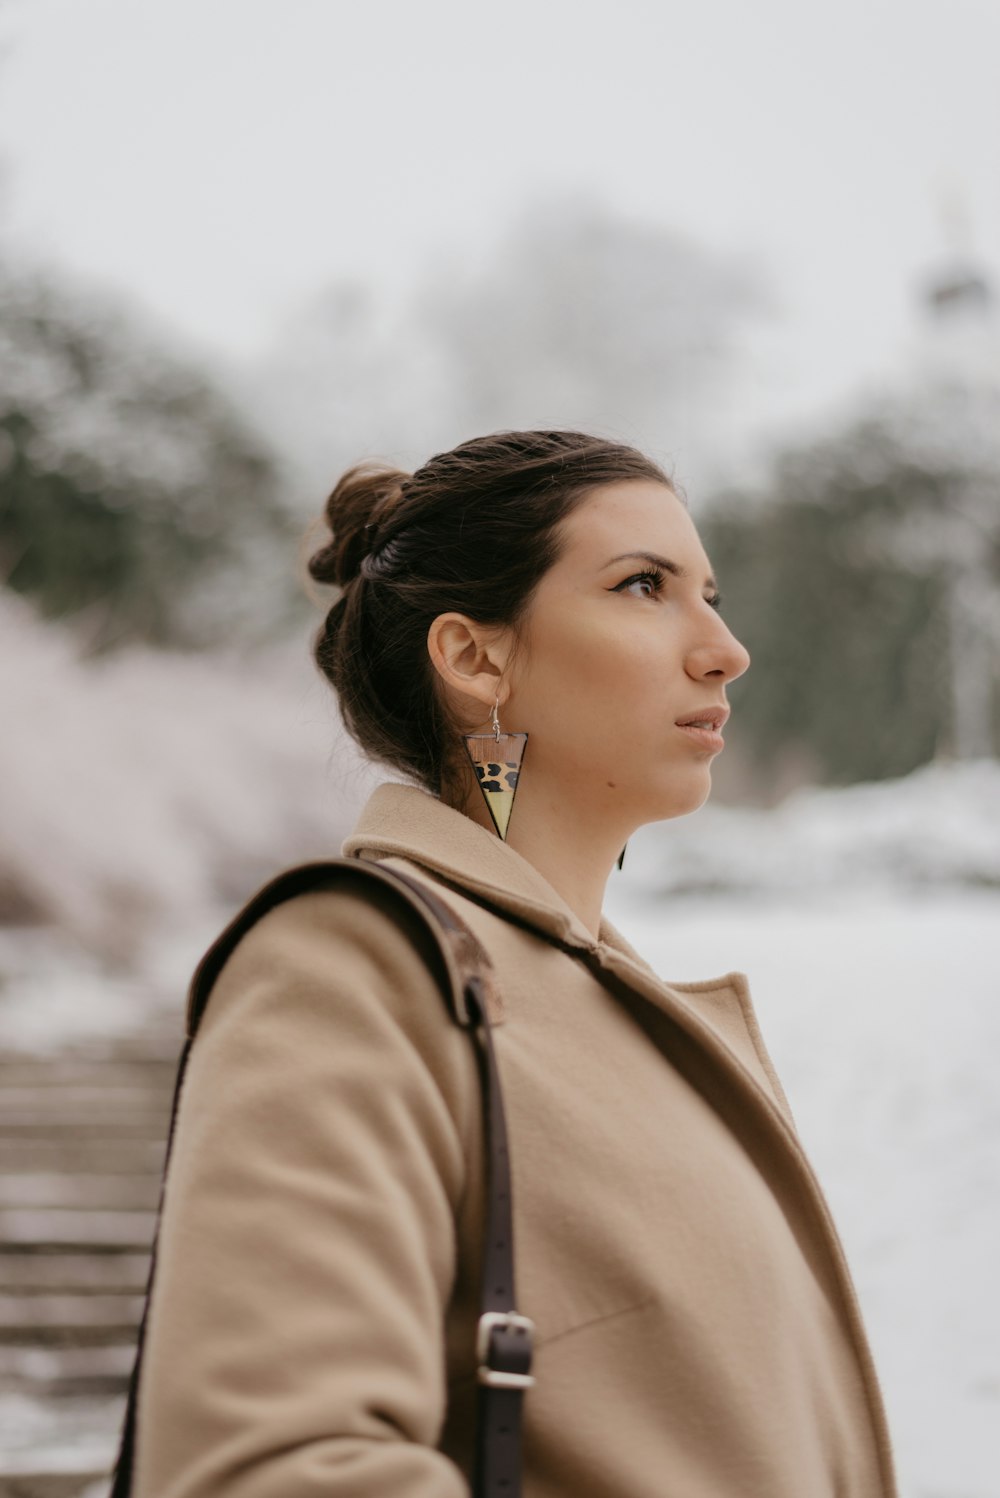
361 496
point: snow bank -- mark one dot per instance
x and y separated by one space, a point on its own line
138 789
938 826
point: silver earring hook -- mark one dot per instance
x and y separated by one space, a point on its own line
494 720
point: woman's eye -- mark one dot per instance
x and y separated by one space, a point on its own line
652 580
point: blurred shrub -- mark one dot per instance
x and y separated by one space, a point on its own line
842 580
132 494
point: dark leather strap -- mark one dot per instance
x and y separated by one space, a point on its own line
504 1343
504 1338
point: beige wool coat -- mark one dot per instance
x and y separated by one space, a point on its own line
311 1329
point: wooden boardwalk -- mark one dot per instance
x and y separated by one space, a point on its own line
82 1142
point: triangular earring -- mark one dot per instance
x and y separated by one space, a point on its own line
621 856
496 758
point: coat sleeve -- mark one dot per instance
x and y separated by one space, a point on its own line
295 1342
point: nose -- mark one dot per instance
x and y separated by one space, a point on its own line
717 652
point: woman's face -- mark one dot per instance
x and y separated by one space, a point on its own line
613 659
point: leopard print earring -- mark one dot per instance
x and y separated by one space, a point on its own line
497 758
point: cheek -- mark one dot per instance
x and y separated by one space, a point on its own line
594 683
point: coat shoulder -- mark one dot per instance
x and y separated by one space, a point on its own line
327 963
324 922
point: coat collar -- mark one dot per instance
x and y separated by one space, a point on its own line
404 821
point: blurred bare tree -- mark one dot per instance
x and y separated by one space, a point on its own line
585 317
579 317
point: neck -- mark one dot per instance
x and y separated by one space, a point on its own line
576 854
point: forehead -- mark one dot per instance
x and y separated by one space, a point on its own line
637 514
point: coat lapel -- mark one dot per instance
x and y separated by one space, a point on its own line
402 821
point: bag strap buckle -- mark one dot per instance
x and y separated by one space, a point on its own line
518 1353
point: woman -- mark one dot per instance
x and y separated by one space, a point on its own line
312 1330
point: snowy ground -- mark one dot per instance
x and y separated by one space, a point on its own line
882 1014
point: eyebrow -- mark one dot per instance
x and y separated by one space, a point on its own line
650 556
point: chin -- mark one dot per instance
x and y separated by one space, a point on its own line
684 795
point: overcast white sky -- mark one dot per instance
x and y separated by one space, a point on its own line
220 160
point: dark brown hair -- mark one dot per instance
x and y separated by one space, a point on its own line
473 530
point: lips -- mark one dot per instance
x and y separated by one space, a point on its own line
705 738
709 717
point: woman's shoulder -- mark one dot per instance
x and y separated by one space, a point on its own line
322 936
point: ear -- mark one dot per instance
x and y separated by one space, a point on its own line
470 658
